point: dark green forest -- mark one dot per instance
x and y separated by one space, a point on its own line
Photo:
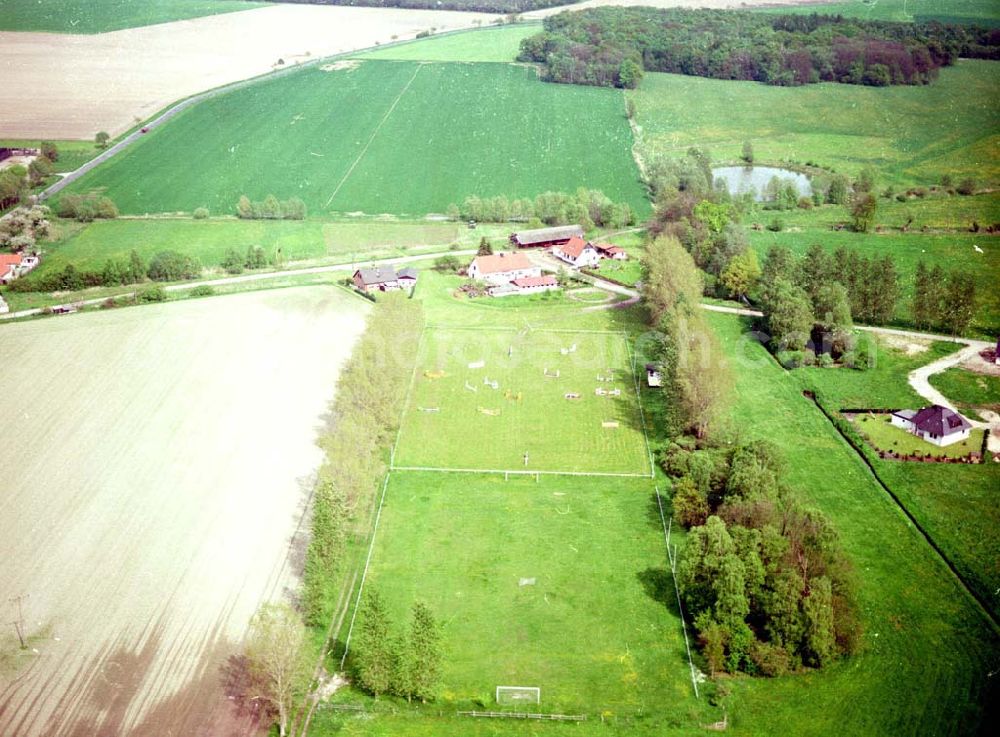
612 47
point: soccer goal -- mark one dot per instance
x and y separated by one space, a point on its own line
514 695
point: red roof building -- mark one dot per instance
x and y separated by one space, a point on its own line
10 267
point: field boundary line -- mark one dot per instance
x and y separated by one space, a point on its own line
521 472
638 399
364 574
371 138
528 327
672 558
406 400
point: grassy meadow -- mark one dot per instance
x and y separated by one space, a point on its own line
101 16
385 137
528 411
882 435
968 389
500 44
910 135
466 545
89 247
946 11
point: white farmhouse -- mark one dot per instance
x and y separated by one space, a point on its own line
578 253
502 268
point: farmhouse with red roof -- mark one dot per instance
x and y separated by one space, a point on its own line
577 252
502 268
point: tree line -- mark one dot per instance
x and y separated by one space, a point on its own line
164 266
270 208
586 207
612 47
478 6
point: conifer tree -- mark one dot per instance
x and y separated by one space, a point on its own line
425 652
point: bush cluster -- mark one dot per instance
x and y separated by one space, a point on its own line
587 207
271 208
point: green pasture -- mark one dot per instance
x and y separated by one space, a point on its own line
910 135
956 504
208 240
882 435
501 44
100 16
927 647
968 389
932 214
385 137
528 412
955 251
597 629
946 11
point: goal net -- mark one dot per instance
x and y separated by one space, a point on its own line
515 695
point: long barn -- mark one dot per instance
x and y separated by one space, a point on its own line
545 237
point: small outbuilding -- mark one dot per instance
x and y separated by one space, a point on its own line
653 376
616 253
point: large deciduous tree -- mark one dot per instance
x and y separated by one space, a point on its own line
275 652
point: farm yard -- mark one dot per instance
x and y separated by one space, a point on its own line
356 137
503 562
517 393
151 508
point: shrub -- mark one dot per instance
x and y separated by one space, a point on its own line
202 290
825 360
808 357
776 225
789 359
233 262
966 187
152 293
447 263
86 207
200 213
172 266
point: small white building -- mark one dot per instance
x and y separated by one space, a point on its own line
578 253
502 268
616 253
935 424
10 267
3 306
653 376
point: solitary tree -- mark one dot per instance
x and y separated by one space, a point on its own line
275 653
485 247
101 139
50 151
863 212
747 153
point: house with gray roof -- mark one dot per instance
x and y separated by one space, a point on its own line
545 237
935 424
384 279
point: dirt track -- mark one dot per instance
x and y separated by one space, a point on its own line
159 459
62 86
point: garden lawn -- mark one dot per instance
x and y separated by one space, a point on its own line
952 252
911 135
100 16
386 137
882 435
208 240
561 584
528 412
927 646
489 44
967 388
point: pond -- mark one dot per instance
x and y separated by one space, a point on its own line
739 180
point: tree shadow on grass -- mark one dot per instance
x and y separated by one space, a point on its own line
659 587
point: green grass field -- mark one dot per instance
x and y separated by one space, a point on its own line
528 412
386 137
968 389
927 647
911 135
597 631
946 11
208 240
878 431
954 251
100 16
489 44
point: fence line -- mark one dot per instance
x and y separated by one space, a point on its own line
642 412
525 715
364 575
520 472
673 574
530 329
